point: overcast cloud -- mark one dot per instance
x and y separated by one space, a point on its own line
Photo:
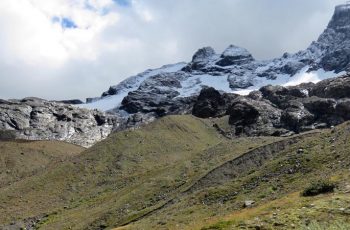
63 49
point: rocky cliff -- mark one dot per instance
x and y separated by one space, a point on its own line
278 110
38 119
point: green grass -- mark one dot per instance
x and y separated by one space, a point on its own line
288 173
148 179
122 177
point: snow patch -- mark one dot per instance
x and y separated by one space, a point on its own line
314 76
129 85
303 76
195 83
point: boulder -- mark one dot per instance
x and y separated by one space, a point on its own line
296 116
248 203
280 96
342 109
250 117
210 103
335 88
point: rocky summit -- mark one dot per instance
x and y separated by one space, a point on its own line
235 70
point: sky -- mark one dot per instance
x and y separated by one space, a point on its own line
67 49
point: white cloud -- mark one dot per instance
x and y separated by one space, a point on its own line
111 42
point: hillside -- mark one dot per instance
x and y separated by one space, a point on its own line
21 159
123 177
273 176
179 173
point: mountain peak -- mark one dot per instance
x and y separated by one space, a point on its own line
341 17
235 55
203 54
234 51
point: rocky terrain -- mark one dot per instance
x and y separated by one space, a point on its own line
278 110
235 70
38 119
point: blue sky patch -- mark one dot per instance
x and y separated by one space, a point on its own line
66 23
123 2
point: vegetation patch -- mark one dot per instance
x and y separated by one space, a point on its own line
319 187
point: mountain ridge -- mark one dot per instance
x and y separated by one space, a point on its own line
236 71
174 89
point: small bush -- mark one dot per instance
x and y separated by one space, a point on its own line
319 187
6 135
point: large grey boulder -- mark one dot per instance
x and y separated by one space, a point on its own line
252 118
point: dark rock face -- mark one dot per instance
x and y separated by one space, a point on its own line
277 110
332 88
235 55
342 109
296 117
201 58
281 96
292 67
38 119
157 95
109 92
243 113
71 102
251 117
335 41
203 54
210 103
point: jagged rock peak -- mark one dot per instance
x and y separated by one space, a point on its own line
341 17
203 54
235 55
236 51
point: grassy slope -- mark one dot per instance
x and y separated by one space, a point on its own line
21 159
144 179
124 177
275 186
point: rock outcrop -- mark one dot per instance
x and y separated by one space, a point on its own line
278 110
38 119
211 103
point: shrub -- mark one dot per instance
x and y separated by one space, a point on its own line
319 187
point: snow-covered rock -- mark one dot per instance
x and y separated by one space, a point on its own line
233 71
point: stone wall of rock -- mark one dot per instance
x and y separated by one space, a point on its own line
38 119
